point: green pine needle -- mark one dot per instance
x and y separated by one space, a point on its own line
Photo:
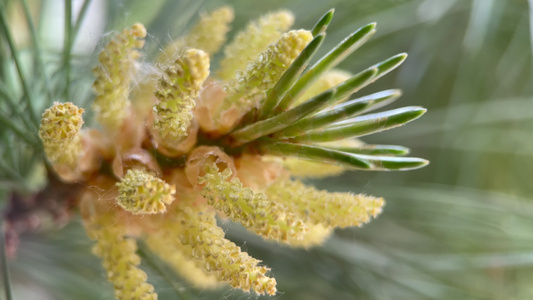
322 24
37 50
340 112
350 160
79 21
364 125
28 137
67 47
383 150
281 121
290 76
16 58
389 64
329 61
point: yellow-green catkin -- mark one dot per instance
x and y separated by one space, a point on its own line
119 258
114 75
320 207
316 236
249 87
60 133
248 43
166 244
177 90
206 243
253 210
209 34
142 193
326 81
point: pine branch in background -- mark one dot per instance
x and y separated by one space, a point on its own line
38 51
67 46
6 281
28 96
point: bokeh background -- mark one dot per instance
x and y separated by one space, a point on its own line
460 228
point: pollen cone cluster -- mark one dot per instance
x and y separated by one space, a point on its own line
222 144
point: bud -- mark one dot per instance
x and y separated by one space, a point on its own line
142 193
60 133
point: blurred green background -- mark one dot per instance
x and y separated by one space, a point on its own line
460 228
